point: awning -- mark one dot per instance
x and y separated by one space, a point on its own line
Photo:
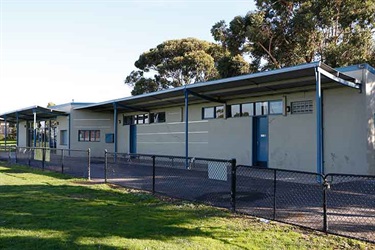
280 81
27 114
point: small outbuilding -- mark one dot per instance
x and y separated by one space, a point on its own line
309 117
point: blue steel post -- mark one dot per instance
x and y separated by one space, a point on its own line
5 132
70 131
186 92
34 126
319 125
18 129
115 127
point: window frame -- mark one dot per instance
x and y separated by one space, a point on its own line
214 115
89 135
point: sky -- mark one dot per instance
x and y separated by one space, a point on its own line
81 50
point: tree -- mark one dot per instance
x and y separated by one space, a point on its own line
289 32
179 62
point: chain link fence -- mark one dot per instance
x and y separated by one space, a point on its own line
351 206
334 203
198 179
77 163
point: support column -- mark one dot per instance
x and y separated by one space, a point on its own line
18 129
34 127
186 92
115 126
5 131
319 124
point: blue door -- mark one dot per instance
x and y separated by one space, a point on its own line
261 141
133 139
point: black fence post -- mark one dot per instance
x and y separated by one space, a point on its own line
105 165
274 193
88 164
233 185
62 161
43 158
29 158
15 154
153 174
326 186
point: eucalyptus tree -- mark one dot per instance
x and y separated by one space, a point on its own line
289 32
179 62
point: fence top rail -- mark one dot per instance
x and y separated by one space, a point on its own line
351 175
280 170
174 157
60 149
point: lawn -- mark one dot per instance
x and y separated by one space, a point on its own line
41 210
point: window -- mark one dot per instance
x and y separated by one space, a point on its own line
247 109
235 110
261 108
89 135
219 112
209 113
157 117
302 107
128 120
213 112
275 107
63 137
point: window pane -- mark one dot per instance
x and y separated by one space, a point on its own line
81 135
261 108
276 107
145 118
208 113
220 112
87 135
92 135
247 109
161 117
97 135
128 120
235 110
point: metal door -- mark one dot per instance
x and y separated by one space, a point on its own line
133 139
261 141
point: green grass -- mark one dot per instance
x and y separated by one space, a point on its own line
9 143
41 210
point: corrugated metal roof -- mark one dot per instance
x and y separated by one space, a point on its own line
27 114
284 80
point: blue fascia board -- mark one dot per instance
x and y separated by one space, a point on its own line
357 67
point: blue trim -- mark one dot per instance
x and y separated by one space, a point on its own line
70 131
34 127
133 139
115 125
319 124
18 129
186 93
5 131
357 67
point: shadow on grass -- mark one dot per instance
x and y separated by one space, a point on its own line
29 212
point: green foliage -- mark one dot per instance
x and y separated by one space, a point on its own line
43 210
179 62
290 32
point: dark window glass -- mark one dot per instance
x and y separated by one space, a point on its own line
247 109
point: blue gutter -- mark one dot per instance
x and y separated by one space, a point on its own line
319 124
115 126
186 92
